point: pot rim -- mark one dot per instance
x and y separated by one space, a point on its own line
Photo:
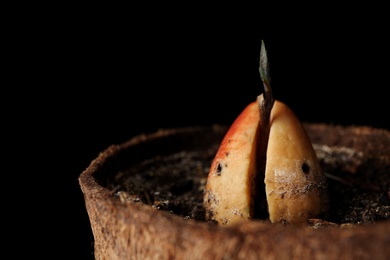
104 207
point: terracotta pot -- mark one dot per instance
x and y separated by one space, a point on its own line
131 229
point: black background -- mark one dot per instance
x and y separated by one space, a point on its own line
99 76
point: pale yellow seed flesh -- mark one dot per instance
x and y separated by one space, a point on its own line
230 185
295 184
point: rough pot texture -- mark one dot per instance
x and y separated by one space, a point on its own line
139 227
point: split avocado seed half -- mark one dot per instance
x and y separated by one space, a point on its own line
266 146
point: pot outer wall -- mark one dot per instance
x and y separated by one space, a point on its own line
136 231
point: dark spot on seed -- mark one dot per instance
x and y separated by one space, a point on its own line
219 169
305 168
227 154
282 196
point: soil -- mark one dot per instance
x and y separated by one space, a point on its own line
358 185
